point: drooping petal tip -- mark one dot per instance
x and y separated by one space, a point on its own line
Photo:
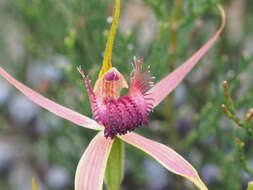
166 157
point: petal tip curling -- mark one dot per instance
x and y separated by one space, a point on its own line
171 81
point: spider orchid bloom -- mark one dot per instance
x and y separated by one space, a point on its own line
115 116
120 115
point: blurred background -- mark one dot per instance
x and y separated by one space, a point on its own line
42 42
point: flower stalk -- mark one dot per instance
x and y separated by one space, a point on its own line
115 166
107 62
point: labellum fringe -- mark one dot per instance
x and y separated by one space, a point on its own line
120 115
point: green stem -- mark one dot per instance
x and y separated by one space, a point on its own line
242 158
115 166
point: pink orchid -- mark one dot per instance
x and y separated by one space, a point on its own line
118 116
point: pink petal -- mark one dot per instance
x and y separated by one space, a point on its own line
170 82
51 106
165 156
91 168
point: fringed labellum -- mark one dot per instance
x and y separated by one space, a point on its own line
120 115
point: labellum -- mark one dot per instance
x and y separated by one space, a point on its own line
120 115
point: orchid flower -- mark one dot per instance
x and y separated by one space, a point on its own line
116 117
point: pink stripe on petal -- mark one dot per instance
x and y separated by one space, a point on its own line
170 82
91 168
165 156
51 106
